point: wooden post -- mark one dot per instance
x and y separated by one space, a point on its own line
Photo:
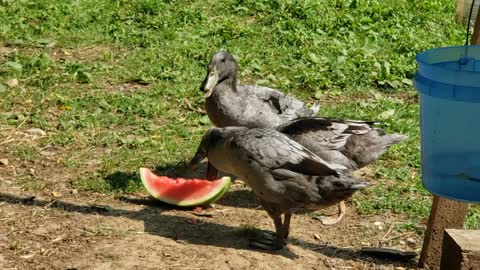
460 11
445 213
463 11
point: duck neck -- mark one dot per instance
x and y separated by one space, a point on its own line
223 104
230 82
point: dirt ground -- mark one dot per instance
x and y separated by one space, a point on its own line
45 224
92 231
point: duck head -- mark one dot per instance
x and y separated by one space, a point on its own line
212 139
221 69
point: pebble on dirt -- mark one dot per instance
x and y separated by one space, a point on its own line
3 161
36 132
12 83
411 241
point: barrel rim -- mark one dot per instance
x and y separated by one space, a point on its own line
421 56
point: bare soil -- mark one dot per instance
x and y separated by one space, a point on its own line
45 224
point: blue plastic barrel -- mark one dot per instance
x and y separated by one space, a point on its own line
448 80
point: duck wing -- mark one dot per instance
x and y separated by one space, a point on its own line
351 143
322 132
286 106
272 150
301 177
354 144
327 137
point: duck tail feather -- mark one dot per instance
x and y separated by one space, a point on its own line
360 185
392 139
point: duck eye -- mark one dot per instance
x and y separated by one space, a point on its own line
223 60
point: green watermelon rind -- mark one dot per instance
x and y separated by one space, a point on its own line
208 198
221 193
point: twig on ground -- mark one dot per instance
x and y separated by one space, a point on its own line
190 107
389 231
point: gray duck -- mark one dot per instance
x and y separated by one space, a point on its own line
353 144
230 104
282 173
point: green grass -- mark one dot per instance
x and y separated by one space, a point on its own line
107 79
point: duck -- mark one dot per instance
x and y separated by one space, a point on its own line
230 104
351 143
283 174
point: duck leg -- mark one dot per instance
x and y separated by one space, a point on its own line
334 220
270 241
211 172
279 233
286 225
267 240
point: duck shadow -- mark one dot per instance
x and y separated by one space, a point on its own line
187 228
242 198
120 181
183 227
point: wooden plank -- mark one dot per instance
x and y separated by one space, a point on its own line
445 214
461 250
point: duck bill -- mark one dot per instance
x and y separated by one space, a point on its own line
200 155
212 81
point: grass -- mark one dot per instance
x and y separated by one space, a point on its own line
107 79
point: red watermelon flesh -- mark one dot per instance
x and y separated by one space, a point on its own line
183 192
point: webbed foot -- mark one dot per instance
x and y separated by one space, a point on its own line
267 241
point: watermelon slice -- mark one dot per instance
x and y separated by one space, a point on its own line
183 192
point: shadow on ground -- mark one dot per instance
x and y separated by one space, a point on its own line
120 181
179 228
243 198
